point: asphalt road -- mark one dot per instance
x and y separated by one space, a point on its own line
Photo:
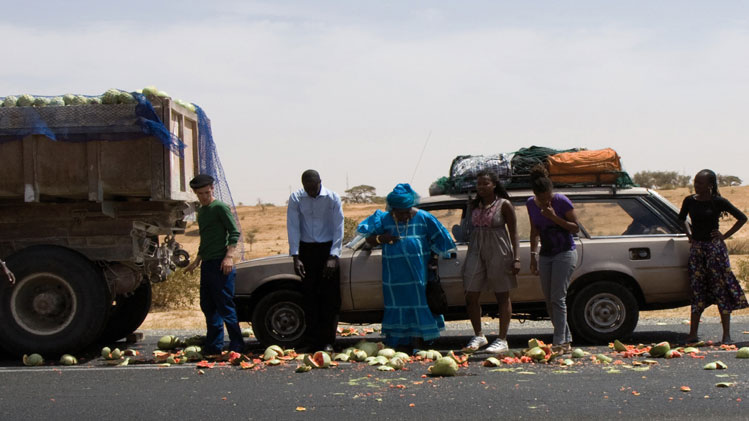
94 390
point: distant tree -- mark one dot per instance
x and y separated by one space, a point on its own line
728 180
250 236
264 205
661 179
360 194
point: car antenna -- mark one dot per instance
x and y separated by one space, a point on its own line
429 136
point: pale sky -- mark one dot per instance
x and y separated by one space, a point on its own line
355 89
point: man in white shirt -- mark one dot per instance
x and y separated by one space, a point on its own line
314 221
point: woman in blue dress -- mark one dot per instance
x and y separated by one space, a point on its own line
408 237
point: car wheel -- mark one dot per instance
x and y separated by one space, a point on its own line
279 318
603 311
128 313
59 303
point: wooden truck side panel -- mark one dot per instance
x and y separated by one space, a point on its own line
100 164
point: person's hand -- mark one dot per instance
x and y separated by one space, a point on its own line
330 267
534 265
227 265
388 238
716 235
548 211
299 267
516 267
191 267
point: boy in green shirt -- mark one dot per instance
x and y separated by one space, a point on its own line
218 242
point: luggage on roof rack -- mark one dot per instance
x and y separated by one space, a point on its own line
526 158
465 168
598 166
569 168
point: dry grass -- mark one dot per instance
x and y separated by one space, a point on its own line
737 246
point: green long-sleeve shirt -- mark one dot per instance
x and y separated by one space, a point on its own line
217 230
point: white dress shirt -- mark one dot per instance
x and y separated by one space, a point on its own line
315 220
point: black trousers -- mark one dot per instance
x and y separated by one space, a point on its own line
322 294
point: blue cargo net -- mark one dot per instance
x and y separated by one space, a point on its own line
117 115
209 163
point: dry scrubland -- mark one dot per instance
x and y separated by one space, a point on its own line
265 226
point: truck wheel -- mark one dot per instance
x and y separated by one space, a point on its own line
279 319
603 311
127 314
59 303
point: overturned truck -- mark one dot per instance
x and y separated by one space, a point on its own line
91 196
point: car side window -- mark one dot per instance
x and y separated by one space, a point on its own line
451 219
618 217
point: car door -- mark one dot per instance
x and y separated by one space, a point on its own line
366 278
627 235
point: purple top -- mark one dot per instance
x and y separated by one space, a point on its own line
554 239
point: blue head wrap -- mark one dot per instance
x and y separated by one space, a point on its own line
402 197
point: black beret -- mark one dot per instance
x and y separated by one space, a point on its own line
201 180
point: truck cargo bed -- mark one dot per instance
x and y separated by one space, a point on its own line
95 153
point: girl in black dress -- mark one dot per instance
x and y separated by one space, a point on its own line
710 272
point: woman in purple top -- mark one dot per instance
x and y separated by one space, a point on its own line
710 273
553 220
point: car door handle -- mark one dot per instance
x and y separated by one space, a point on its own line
639 253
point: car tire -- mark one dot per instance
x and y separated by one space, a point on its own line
278 319
128 314
603 311
59 304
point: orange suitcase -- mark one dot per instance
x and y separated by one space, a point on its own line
590 167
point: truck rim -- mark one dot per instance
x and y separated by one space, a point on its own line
286 321
43 304
605 312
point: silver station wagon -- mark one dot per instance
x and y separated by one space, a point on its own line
632 256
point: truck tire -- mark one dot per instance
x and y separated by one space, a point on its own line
603 311
59 303
127 314
279 319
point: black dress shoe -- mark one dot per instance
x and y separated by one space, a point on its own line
328 348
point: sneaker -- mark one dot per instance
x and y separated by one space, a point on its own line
476 343
498 346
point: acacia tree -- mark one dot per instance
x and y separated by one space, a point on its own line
360 194
671 179
728 180
661 179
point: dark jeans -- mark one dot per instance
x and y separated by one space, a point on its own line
217 303
322 294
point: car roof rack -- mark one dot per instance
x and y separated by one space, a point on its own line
612 179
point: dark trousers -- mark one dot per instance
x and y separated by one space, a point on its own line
322 294
217 304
